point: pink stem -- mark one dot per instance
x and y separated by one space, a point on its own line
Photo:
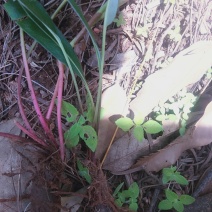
13 137
59 105
51 106
30 134
23 115
34 99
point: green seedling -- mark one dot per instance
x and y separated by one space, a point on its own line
174 200
79 129
139 126
177 108
120 20
83 171
127 197
170 174
143 31
174 34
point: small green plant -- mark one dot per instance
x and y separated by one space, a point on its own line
79 129
128 197
83 171
174 34
177 108
143 31
139 126
174 200
120 20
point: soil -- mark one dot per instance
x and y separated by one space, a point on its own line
51 179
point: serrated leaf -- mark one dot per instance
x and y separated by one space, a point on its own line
186 199
138 132
83 171
139 119
69 111
124 123
165 205
89 136
170 195
178 206
152 127
180 179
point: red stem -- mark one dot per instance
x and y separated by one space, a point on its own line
51 106
33 96
38 140
59 105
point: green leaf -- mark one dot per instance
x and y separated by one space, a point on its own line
83 171
72 135
182 131
133 206
118 189
180 179
120 20
172 117
134 189
138 132
89 136
161 117
165 205
178 206
186 199
69 111
81 121
110 12
118 202
170 195
35 21
124 123
152 127
122 196
138 119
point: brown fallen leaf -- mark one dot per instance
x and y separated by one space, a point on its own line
196 136
114 103
187 68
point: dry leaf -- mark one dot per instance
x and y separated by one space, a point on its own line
114 103
199 135
187 68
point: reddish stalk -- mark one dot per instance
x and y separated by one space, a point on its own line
14 137
59 105
33 96
51 106
31 135
21 109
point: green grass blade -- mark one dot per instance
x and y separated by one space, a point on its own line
33 19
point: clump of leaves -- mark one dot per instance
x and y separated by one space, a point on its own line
79 129
128 197
209 73
120 20
177 108
139 126
174 200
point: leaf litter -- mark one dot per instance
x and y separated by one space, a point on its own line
126 150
